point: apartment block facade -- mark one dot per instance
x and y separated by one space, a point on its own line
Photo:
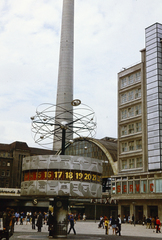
138 185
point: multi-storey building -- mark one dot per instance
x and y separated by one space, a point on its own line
138 185
11 156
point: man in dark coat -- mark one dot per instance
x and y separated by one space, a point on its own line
34 216
50 223
39 221
6 222
71 225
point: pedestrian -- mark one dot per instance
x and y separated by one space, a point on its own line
39 221
33 216
12 221
6 222
101 223
132 219
113 224
144 220
50 223
148 221
28 218
106 226
152 222
84 217
72 225
21 218
119 225
17 215
158 223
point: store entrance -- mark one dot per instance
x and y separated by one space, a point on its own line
139 214
153 211
125 214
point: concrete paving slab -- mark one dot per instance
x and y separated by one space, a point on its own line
88 230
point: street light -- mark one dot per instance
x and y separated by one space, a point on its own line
63 127
134 211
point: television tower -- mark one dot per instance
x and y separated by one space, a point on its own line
65 72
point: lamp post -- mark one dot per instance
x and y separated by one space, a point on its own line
134 211
63 127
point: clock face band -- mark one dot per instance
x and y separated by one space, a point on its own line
61 175
55 174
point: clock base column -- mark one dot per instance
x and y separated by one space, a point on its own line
60 216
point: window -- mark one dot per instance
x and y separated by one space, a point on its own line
131 128
159 186
124 114
124 147
4 163
131 112
138 127
138 93
131 145
130 96
138 77
124 130
131 163
151 184
124 187
130 79
118 188
143 186
138 110
137 186
113 187
139 144
124 98
3 173
7 184
123 82
130 187
124 164
8 164
139 162
8 173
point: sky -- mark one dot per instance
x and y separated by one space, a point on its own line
109 35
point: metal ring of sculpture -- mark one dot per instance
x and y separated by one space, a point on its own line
45 124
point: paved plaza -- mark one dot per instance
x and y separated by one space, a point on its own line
88 230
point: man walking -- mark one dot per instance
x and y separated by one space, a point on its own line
119 225
71 225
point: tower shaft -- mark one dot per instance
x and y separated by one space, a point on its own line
65 72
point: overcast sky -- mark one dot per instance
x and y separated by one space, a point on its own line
109 35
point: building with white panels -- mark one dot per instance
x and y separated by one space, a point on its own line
138 184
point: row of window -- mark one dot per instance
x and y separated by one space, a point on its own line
4 163
131 79
138 186
131 163
131 112
131 95
5 154
131 145
5 173
131 128
4 183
